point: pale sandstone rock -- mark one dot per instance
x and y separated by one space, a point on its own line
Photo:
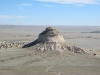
51 39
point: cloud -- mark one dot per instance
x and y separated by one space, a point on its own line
73 1
49 5
25 4
21 6
79 5
11 17
21 17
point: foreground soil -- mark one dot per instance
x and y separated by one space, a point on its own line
30 62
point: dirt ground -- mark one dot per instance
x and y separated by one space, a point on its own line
18 61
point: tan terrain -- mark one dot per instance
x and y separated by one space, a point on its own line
15 60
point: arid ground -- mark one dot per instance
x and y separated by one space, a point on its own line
18 61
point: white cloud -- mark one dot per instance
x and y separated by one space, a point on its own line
73 1
5 17
21 6
48 5
21 17
25 4
79 5
11 17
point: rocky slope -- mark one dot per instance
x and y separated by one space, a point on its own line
51 39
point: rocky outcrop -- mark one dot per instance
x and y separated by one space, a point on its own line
6 44
51 39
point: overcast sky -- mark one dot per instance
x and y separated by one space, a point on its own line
50 12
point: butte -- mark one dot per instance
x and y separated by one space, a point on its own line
51 39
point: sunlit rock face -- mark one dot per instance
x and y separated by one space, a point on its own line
51 39
50 35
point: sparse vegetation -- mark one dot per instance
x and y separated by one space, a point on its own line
18 61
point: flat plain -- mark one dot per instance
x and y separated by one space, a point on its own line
18 61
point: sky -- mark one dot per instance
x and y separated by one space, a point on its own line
50 12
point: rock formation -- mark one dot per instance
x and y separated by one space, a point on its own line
7 44
51 39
